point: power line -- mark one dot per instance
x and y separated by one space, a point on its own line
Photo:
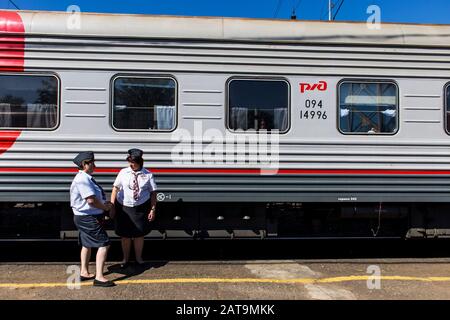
294 9
330 9
277 8
14 4
337 11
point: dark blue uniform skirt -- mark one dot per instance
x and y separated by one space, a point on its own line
91 232
132 222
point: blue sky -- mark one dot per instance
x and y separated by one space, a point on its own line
413 11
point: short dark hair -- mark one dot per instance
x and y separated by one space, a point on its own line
138 160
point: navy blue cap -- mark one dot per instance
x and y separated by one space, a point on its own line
85 155
135 153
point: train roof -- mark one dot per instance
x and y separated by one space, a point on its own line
232 29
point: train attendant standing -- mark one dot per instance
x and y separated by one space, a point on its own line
88 202
134 199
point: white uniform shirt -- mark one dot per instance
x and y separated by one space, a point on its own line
124 182
83 187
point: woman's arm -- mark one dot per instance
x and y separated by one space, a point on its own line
152 213
93 201
117 185
114 192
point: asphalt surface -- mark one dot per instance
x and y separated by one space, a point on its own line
236 270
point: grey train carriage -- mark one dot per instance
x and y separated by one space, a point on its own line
253 128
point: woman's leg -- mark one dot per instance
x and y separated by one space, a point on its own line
138 247
126 248
100 263
85 257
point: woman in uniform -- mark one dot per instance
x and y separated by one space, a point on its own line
134 199
88 202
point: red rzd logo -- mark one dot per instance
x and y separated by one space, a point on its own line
321 86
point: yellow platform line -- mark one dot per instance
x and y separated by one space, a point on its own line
235 280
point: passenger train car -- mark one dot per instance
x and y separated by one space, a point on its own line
252 128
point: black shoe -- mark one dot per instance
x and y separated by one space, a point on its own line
104 284
140 264
86 278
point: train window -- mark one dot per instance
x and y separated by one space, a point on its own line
28 101
447 107
141 103
258 104
368 107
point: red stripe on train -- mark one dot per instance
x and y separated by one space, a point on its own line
12 52
237 171
303 171
12 41
7 139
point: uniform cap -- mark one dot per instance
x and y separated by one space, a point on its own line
85 155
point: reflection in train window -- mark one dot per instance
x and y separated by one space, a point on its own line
144 103
28 101
368 107
258 105
447 108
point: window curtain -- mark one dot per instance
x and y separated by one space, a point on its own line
389 113
5 115
41 115
280 120
239 118
165 117
345 112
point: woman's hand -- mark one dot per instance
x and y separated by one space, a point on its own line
152 214
112 211
108 205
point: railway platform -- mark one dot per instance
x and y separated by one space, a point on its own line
355 279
